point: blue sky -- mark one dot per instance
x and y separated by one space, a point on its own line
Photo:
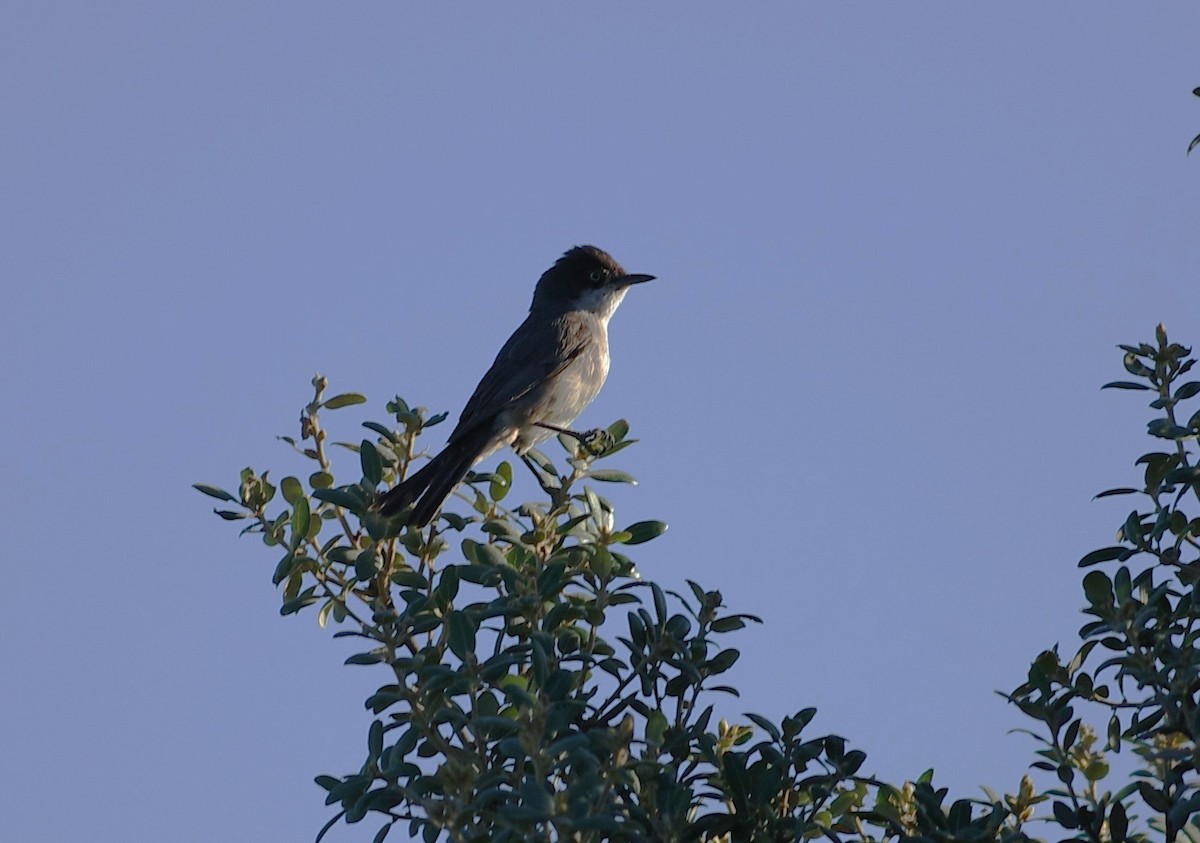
896 246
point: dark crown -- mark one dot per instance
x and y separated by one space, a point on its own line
576 271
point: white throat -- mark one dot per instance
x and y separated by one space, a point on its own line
602 302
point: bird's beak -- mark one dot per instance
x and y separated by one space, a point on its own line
630 280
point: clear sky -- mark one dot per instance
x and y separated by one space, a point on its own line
896 245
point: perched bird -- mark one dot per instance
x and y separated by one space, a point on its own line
545 375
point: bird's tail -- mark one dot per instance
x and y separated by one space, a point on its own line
426 490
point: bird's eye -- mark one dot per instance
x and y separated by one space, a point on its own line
598 275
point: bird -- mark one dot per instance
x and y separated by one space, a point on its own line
544 376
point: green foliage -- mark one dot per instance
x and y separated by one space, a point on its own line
1138 665
537 689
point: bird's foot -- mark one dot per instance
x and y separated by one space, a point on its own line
596 441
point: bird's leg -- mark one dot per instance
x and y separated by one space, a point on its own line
595 441
538 475
556 493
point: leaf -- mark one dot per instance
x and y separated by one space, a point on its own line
408 578
595 508
835 748
1104 554
383 431
447 587
307 598
372 465
1125 385
300 522
462 634
960 814
284 569
766 725
1072 731
660 602
535 798
502 529
367 564
728 624
1097 587
656 727
341 497
375 740
364 658
1133 528
346 399
1163 429
501 481
1184 474
1108 493
375 524
1187 390
214 492
722 661
1137 367
1118 823
678 627
1065 816
612 475
854 759
291 488
620 446
644 531
325 828
1155 799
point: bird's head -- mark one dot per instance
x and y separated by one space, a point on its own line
585 278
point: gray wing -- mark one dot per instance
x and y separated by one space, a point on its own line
531 356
